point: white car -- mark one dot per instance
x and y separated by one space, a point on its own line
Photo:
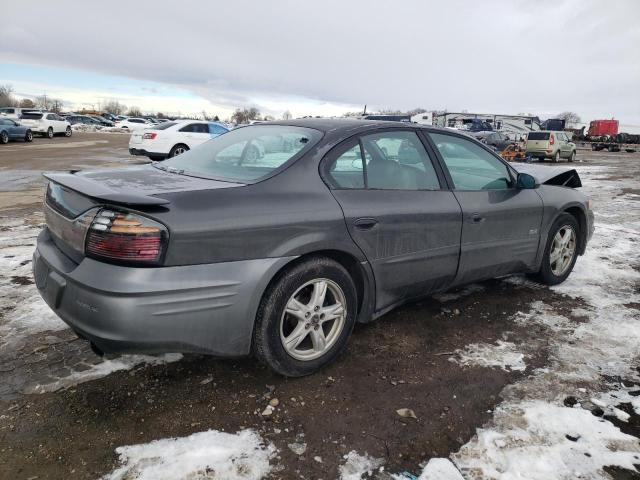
45 123
173 138
133 123
14 112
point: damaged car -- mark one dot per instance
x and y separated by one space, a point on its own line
224 252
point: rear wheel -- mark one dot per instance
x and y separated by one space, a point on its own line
561 251
28 137
67 132
556 157
4 137
178 150
305 318
50 132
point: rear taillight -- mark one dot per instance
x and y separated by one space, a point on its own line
149 136
125 237
551 139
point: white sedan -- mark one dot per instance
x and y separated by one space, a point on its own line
173 138
134 124
45 123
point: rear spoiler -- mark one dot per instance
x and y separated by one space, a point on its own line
100 192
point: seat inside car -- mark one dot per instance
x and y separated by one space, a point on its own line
386 173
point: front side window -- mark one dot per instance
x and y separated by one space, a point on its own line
247 154
471 167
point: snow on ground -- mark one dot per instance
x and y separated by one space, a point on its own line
102 369
502 354
357 466
79 127
24 312
440 469
533 435
211 454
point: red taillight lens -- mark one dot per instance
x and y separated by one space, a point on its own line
149 136
125 237
551 139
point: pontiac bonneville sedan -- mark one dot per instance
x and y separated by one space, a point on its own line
275 239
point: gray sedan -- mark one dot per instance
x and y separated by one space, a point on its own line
275 239
12 130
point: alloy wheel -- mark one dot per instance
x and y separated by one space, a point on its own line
313 319
4 138
563 250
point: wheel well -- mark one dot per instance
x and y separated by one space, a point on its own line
581 218
348 261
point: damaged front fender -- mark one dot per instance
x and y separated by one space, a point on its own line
560 176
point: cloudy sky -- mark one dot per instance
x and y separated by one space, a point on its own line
331 56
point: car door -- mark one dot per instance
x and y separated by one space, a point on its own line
13 130
565 146
397 212
501 223
193 134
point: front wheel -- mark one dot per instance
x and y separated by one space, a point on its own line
4 137
67 132
50 132
561 251
305 317
28 137
572 157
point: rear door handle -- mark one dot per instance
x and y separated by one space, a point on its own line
476 218
365 223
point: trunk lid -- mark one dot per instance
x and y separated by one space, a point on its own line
73 198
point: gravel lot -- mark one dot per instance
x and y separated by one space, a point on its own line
494 356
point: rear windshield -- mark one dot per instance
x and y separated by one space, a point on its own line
538 136
31 116
246 154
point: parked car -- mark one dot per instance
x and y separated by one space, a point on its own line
496 140
550 144
102 121
109 116
133 123
169 139
83 119
12 130
14 113
214 252
46 123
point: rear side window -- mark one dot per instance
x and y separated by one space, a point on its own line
538 136
196 128
390 161
471 167
164 126
7 110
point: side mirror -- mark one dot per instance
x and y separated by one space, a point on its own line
526 181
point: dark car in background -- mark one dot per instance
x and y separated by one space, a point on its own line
12 130
83 120
495 140
223 252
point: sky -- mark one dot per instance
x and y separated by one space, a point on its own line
328 57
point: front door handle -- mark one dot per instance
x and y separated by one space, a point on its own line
365 223
476 218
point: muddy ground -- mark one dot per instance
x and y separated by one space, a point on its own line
403 360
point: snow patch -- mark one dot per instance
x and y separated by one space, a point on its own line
502 354
440 469
357 465
102 369
210 454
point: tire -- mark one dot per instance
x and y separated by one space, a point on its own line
4 137
28 137
68 132
572 157
556 157
548 274
178 150
50 132
274 324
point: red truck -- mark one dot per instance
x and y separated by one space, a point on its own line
600 128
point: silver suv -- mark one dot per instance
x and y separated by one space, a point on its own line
550 144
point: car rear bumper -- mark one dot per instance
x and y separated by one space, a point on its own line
146 153
191 309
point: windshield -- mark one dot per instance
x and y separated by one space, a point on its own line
246 154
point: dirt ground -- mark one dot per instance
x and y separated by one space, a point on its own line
403 360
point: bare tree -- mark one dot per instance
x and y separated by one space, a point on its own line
134 112
245 115
27 103
416 111
286 115
6 96
114 107
570 118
